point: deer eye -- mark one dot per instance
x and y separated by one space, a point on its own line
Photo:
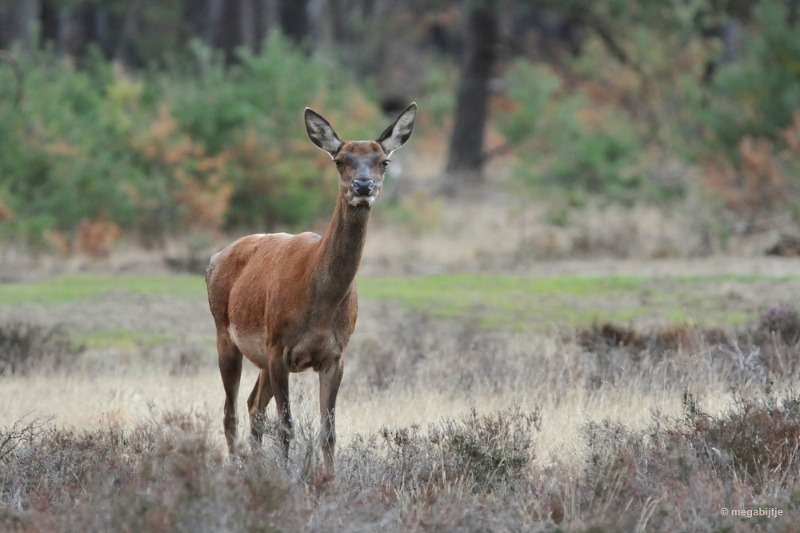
384 164
339 164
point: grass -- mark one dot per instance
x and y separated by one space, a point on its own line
531 304
74 287
120 338
442 426
518 303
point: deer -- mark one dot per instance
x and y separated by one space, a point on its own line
289 302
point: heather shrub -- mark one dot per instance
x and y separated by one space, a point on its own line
164 475
483 452
755 440
26 347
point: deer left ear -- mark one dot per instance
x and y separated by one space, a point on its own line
398 133
321 133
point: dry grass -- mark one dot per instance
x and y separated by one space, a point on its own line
443 427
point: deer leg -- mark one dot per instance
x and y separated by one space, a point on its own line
329 381
279 379
257 405
230 368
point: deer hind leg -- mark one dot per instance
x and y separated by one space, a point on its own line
257 405
329 381
230 368
279 379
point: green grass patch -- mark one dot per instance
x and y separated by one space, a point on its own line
523 303
74 287
519 303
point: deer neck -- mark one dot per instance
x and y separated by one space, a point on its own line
339 255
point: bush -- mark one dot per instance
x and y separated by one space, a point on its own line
198 146
162 476
755 440
27 347
568 142
752 116
484 452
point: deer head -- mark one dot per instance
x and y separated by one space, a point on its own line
361 164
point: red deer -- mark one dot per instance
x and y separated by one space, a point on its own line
288 302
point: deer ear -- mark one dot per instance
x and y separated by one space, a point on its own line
398 133
321 133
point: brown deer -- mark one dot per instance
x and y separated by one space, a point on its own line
288 302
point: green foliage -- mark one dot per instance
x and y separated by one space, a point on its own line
568 141
758 95
197 145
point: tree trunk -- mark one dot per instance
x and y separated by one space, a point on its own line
248 24
17 21
293 15
338 14
264 20
126 46
213 22
465 160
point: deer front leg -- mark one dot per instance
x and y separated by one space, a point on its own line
257 405
329 381
279 379
230 368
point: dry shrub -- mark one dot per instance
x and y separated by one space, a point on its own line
755 441
26 347
758 184
166 475
96 237
481 452
603 337
675 475
774 342
778 339
787 246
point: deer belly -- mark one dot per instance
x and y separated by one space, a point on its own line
317 351
252 344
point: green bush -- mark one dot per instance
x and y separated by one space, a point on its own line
197 146
566 142
758 95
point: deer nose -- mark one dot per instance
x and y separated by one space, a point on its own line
363 187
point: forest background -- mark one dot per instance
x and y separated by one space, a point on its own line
147 121
566 319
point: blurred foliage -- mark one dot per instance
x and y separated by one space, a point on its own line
197 146
603 101
752 115
664 78
570 142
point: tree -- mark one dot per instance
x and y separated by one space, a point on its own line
17 22
466 157
293 15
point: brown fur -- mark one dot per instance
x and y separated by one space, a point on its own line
289 302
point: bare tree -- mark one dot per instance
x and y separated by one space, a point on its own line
465 160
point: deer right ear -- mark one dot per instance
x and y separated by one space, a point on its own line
398 133
321 133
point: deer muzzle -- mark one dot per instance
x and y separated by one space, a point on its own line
363 187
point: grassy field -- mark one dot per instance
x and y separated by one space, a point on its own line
470 403
518 303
